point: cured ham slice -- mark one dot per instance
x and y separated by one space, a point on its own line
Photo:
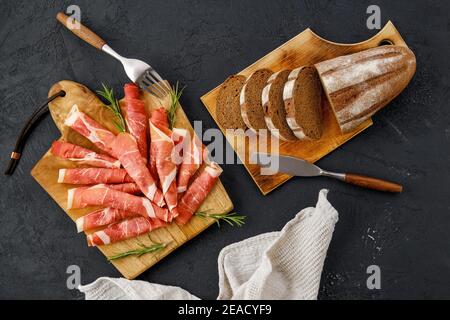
89 128
126 148
192 159
131 91
159 118
102 217
124 230
136 117
180 138
197 192
101 195
129 187
165 166
76 153
93 176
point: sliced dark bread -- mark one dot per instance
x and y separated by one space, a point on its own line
273 105
228 109
250 99
302 97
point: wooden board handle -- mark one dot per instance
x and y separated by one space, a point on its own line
81 31
372 183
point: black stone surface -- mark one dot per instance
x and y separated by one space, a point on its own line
200 43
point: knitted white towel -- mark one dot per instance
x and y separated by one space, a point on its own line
276 265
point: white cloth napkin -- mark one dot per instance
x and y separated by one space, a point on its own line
277 265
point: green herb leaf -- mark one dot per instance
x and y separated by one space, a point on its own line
139 252
114 106
175 95
233 219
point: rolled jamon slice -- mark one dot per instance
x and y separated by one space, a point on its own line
131 91
128 187
302 97
159 118
100 195
192 159
126 148
273 105
197 192
250 100
89 128
165 165
123 230
93 176
136 117
82 155
228 109
102 217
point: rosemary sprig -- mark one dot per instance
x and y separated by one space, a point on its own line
114 106
144 249
231 218
175 95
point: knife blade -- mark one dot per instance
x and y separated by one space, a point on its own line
293 166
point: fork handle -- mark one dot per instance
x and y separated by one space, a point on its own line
81 31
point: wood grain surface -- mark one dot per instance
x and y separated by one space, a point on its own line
46 172
306 48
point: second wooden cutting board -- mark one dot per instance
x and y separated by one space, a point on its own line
304 49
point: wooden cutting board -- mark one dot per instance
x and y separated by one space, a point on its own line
46 174
307 48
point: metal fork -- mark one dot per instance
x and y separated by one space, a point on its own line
138 71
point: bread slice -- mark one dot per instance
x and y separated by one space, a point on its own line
302 95
360 84
250 99
273 105
228 109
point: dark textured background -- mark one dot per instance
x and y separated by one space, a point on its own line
200 43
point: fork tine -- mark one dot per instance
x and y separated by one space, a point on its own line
157 90
157 87
160 79
151 92
148 76
156 75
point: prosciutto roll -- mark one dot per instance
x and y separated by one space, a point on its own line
180 138
197 192
192 159
124 230
89 128
100 195
158 118
126 148
93 176
136 118
102 217
165 166
129 187
131 91
76 153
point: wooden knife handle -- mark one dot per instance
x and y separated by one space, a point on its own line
372 183
81 31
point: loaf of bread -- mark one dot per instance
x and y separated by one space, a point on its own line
360 84
273 105
302 97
